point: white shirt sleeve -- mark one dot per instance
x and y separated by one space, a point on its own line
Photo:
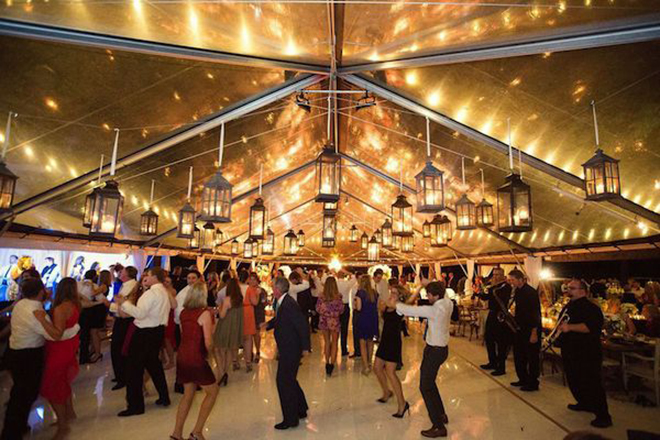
141 310
417 311
296 288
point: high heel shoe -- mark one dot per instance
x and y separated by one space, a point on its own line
385 399
402 413
223 380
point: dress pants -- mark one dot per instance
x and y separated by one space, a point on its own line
26 367
292 397
143 354
356 340
314 321
434 357
343 321
526 358
498 342
85 322
119 330
583 370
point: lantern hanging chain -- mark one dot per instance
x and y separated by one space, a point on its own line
190 181
115 147
428 138
329 117
508 127
5 145
483 184
463 170
101 169
261 177
222 145
593 107
401 179
520 161
151 196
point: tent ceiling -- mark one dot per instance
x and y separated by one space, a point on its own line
70 97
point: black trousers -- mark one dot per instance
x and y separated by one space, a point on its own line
583 370
119 330
26 367
143 354
343 321
85 322
433 358
356 340
292 397
526 358
314 314
498 342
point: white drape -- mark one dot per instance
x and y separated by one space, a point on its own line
470 277
140 260
200 264
533 266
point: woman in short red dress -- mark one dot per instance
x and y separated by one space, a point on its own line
192 367
61 364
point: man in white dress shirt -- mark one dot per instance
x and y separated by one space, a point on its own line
151 314
181 297
297 283
438 316
25 357
346 283
128 278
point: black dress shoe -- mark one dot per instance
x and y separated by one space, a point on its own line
517 384
118 386
129 412
498 373
487 367
602 422
577 407
163 402
435 432
529 388
285 425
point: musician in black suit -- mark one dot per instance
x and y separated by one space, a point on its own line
498 335
292 338
527 342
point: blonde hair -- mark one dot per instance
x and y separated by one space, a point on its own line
197 296
365 284
330 289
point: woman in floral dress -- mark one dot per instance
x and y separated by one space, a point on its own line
329 308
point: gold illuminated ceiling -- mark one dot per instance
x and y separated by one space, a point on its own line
70 96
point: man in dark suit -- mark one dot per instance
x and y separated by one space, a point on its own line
498 335
292 338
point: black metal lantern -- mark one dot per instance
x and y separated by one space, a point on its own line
290 243
219 238
601 177
328 175
396 242
329 230
107 207
258 219
248 247
387 234
378 236
149 223
373 251
234 247
514 205
407 243
485 214
465 214
208 237
330 206
426 229
7 188
186 227
430 189
354 234
402 216
216 200
87 213
194 242
364 241
301 239
441 231
268 247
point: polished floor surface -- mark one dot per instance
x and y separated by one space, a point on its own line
343 406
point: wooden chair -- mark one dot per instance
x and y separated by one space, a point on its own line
645 367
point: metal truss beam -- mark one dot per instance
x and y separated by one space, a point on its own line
103 41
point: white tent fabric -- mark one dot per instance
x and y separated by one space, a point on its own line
533 266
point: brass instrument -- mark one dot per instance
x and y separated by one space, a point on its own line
505 315
551 339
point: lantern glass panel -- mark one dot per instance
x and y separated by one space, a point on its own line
219 238
234 247
328 172
426 229
290 243
258 219
387 234
441 231
208 238
329 230
430 190
378 235
106 210
514 205
407 243
485 214
364 241
396 242
373 251
402 216
248 251
330 206
186 222
149 223
465 214
268 247
194 242
301 238
87 214
354 234
216 200
7 187
602 180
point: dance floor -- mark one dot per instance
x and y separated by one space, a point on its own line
343 406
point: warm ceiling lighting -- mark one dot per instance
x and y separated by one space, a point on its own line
52 104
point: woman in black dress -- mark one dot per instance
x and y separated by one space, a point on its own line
388 354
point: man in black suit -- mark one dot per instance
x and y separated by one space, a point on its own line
498 335
292 338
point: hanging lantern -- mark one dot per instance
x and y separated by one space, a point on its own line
465 213
514 205
441 231
426 229
290 243
256 248
248 247
194 242
219 238
430 190
402 219
216 200
208 237
407 243
378 236
186 227
601 177
396 243
387 234
329 230
106 210
330 206
301 239
7 188
268 247
485 214
234 247
373 251
87 213
328 174
353 234
364 241
258 219
149 223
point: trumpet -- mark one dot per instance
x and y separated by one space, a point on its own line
551 339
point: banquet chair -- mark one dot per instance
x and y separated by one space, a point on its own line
645 367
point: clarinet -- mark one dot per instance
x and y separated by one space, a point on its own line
551 339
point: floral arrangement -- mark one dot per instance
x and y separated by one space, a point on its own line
628 309
387 272
614 290
614 324
554 310
263 271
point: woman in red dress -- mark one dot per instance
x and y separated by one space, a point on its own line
192 367
61 364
